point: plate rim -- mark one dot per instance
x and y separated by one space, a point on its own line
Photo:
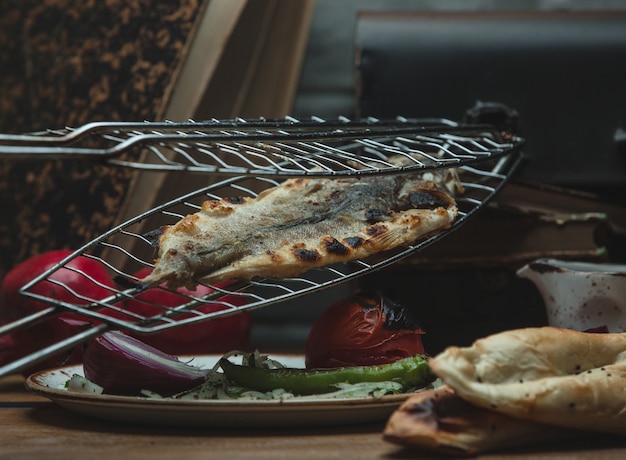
35 385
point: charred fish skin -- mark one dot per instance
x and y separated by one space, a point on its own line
301 224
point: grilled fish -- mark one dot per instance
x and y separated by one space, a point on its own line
301 224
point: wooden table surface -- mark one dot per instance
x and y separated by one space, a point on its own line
32 427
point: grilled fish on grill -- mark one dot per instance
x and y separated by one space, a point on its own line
301 224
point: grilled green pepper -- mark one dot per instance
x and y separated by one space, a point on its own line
413 371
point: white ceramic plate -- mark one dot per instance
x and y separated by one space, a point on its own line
213 413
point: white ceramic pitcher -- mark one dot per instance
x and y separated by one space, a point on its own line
580 295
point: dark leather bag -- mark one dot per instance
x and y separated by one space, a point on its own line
563 73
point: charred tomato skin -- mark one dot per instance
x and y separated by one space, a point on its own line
362 330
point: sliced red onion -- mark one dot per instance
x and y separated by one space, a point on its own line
124 365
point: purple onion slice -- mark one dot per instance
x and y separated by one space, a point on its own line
124 365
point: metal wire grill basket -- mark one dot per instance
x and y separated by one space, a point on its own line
249 157
286 147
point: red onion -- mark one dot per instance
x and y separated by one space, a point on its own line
124 365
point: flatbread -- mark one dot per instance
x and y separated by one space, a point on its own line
440 421
547 375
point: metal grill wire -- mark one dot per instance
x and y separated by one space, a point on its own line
127 248
271 148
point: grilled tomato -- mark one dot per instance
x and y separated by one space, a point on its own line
361 330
